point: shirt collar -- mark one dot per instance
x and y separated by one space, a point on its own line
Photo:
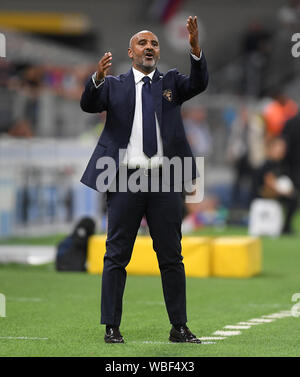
138 76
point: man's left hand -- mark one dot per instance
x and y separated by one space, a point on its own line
192 27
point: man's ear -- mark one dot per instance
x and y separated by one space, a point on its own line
130 53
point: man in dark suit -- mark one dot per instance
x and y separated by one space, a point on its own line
144 119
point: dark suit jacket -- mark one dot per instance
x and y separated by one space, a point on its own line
117 97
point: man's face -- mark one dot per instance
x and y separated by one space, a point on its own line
144 51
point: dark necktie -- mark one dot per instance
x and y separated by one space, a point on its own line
149 124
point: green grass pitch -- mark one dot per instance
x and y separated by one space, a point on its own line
57 314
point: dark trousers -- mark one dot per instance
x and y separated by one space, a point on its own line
163 211
290 205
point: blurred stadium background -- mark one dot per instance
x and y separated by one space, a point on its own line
46 140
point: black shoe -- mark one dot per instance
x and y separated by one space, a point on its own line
183 335
113 335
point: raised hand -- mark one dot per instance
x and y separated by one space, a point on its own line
103 65
192 27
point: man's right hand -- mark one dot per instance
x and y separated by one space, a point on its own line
103 66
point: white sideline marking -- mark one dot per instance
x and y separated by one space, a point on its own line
223 334
282 314
261 320
25 299
286 312
154 342
237 327
267 318
151 342
21 337
227 333
208 342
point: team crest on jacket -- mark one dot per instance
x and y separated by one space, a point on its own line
167 93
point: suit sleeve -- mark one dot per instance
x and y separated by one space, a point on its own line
195 83
94 100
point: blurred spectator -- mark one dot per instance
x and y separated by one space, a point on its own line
245 136
277 112
256 48
291 134
22 90
289 15
256 137
67 82
31 85
198 131
21 128
273 182
206 213
7 69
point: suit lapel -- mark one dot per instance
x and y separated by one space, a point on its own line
130 96
156 89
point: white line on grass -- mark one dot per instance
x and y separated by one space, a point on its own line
227 333
21 338
25 299
261 320
267 318
156 342
282 314
208 342
237 327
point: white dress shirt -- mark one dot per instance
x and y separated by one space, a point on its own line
134 156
